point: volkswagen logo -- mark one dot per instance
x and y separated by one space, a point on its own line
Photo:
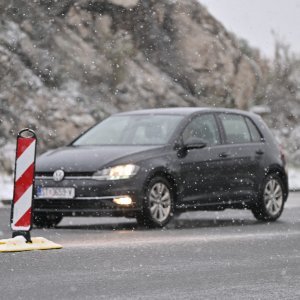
58 175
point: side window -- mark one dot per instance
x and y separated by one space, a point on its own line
203 127
256 137
236 130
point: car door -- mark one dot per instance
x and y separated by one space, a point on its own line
201 169
242 155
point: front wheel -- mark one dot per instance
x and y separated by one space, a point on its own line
271 200
46 220
158 203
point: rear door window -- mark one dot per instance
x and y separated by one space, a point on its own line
255 135
236 129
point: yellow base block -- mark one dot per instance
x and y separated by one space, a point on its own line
18 244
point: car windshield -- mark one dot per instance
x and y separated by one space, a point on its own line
131 130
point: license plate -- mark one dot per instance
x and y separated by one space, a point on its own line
55 193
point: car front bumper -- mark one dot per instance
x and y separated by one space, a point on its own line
92 197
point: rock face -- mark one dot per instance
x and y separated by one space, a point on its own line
65 65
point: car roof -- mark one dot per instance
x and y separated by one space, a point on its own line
182 111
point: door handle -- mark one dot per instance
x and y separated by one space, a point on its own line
259 152
224 154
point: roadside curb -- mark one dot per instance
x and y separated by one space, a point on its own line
6 202
294 190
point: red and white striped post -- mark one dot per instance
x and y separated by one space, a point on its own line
21 209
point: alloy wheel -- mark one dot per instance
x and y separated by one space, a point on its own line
273 197
160 202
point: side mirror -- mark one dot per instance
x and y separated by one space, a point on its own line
195 143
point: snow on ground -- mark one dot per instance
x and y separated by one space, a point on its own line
6 184
294 179
6 187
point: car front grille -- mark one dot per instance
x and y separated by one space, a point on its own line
68 175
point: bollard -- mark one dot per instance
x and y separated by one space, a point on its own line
21 207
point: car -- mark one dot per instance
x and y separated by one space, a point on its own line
152 164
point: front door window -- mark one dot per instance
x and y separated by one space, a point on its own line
203 127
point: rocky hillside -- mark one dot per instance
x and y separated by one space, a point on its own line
66 64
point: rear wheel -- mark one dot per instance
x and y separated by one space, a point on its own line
46 220
271 200
158 203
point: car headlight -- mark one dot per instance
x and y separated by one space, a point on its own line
118 172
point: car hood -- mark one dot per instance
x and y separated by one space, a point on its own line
88 158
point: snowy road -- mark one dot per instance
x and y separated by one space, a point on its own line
201 255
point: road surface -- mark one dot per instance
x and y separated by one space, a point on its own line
200 255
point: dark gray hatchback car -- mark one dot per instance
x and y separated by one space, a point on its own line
150 164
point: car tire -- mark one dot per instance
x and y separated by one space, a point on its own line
46 220
158 205
271 199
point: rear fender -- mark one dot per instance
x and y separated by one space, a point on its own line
279 171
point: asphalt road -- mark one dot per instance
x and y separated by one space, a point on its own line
200 255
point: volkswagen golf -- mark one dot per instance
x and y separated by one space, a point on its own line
151 164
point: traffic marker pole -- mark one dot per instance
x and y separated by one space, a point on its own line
21 208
